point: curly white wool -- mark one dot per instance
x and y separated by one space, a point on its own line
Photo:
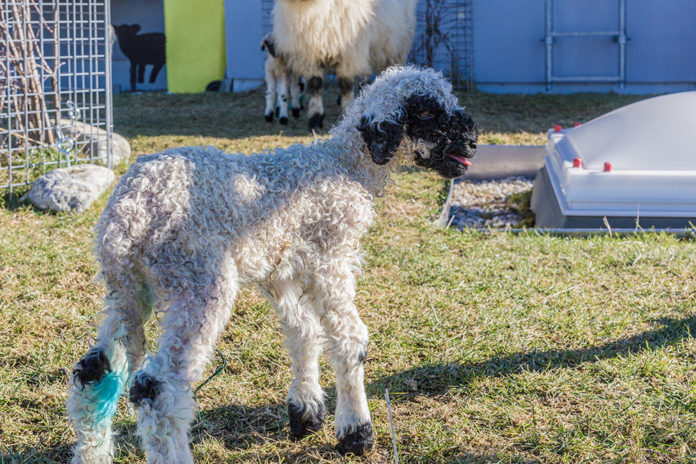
186 228
355 38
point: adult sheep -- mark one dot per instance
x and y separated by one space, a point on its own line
355 38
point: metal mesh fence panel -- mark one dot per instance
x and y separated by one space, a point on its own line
55 87
445 39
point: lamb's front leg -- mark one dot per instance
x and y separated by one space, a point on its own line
347 349
302 332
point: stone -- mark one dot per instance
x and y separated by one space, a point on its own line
91 141
71 189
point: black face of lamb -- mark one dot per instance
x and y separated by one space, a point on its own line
447 133
424 119
91 368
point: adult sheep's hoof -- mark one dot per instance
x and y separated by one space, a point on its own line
301 426
358 441
283 121
316 122
268 117
295 113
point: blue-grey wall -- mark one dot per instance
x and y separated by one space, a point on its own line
509 53
243 33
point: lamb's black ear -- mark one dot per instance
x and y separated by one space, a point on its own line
381 138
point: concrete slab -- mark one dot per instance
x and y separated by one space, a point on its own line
498 161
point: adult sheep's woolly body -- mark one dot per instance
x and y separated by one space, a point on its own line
355 38
360 36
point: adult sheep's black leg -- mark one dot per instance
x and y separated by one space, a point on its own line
345 89
316 105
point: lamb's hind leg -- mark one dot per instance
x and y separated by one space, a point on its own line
302 331
161 391
101 375
346 343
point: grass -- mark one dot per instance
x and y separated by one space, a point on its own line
495 347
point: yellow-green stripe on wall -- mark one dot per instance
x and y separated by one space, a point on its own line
195 32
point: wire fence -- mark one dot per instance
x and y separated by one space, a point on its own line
55 87
445 39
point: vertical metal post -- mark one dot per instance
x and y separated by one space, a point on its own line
108 84
622 39
548 41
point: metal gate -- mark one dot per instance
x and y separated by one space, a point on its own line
55 87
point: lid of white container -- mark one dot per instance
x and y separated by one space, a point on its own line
650 149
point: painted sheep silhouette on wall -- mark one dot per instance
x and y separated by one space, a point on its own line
141 50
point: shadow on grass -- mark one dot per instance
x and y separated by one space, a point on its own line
436 379
240 427
36 455
224 115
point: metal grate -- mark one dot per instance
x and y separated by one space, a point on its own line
55 87
445 39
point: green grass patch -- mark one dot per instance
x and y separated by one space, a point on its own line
495 347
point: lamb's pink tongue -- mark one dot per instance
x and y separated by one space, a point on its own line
461 159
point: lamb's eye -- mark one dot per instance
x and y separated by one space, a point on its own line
425 116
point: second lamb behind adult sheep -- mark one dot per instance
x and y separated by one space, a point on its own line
281 85
355 38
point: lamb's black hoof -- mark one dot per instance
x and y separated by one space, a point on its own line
268 117
92 367
316 122
358 442
144 388
295 113
284 121
301 427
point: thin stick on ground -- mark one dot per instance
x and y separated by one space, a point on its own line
391 424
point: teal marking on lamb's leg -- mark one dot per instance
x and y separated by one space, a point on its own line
96 386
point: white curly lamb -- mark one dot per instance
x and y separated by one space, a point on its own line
355 38
186 228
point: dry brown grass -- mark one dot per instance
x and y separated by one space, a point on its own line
495 348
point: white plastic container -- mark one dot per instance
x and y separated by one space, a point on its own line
651 149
